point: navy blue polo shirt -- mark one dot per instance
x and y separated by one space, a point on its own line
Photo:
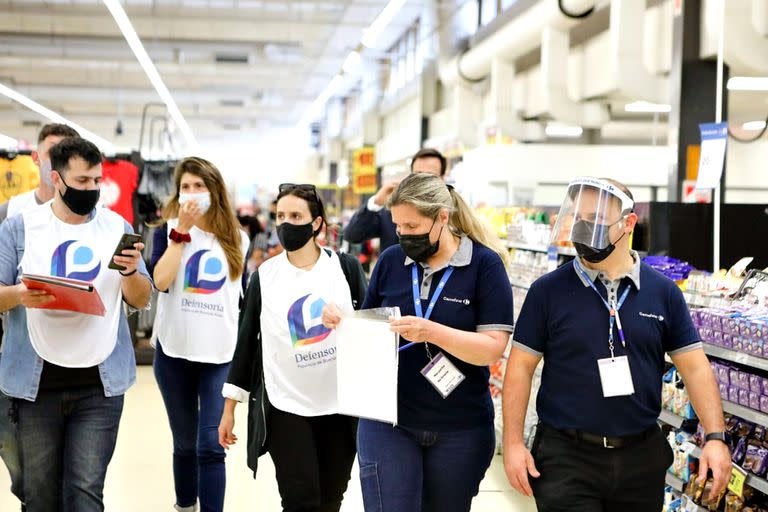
476 298
564 321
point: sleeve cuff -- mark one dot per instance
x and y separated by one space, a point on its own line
235 393
495 327
693 346
526 348
372 206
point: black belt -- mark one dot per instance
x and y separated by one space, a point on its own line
607 442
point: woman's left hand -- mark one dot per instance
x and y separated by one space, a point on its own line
413 328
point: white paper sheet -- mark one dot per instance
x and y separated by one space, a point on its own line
366 365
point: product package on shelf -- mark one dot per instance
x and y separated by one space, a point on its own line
683 463
673 268
674 397
739 329
745 387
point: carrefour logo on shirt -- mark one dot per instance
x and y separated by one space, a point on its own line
75 260
204 273
305 321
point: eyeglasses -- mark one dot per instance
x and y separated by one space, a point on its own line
285 187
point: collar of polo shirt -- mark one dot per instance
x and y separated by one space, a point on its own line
633 274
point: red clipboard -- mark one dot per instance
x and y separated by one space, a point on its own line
70 294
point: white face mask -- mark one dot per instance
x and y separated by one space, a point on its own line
203 200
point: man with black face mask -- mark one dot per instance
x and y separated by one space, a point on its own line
67 372
598 447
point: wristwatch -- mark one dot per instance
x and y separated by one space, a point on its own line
717 436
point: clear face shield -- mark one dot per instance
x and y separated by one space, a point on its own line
591 209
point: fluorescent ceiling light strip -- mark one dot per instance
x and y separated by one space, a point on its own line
754 125
562 130
132 38
748 83
645 106
384 18
104 144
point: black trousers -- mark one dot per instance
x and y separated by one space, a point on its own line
313 459
588 478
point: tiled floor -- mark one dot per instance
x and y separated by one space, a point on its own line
140 478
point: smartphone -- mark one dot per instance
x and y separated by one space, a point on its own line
126 243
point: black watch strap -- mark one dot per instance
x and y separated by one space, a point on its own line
717 436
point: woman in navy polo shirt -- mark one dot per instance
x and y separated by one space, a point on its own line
449 279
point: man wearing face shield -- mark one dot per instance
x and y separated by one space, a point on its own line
50 135
603 324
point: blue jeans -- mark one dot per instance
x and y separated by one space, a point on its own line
407 470
67 439
192 395
9 447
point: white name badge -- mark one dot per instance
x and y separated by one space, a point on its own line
443 375
615 376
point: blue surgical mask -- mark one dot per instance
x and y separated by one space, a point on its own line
203 200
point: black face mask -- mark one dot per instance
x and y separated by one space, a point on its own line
418 247
81 202
294 236
586 230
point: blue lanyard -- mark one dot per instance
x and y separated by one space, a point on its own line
613 311
417 295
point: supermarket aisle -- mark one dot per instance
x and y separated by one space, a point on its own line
140 477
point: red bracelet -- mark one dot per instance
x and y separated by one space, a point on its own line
177 237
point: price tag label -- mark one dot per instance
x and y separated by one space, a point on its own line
738 478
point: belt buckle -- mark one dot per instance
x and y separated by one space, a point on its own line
605 443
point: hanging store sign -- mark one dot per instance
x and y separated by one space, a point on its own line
714 137
364 171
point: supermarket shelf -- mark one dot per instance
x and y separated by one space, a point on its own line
736 357
565 251
761 484
745 413
694 299
674 482
519 284
671 418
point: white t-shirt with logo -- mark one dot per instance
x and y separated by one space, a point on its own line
21 203
299 352
197 319
74 251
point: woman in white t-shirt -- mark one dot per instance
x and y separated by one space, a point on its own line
198 259
285 362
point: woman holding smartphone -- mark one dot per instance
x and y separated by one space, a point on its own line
448 277
285 362
198 260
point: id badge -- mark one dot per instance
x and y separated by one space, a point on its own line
443 375
616 377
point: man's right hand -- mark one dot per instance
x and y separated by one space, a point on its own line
382 196
518 464
32 298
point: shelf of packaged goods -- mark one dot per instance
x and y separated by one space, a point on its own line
761 484
674 482
736 357
704 301
671 418
564 251
519 284
745 413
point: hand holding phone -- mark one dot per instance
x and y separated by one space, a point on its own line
127 243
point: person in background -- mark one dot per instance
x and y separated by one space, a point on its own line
449 279
372 220
258 246
50 135
198 262
285 362
598 447
67 372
